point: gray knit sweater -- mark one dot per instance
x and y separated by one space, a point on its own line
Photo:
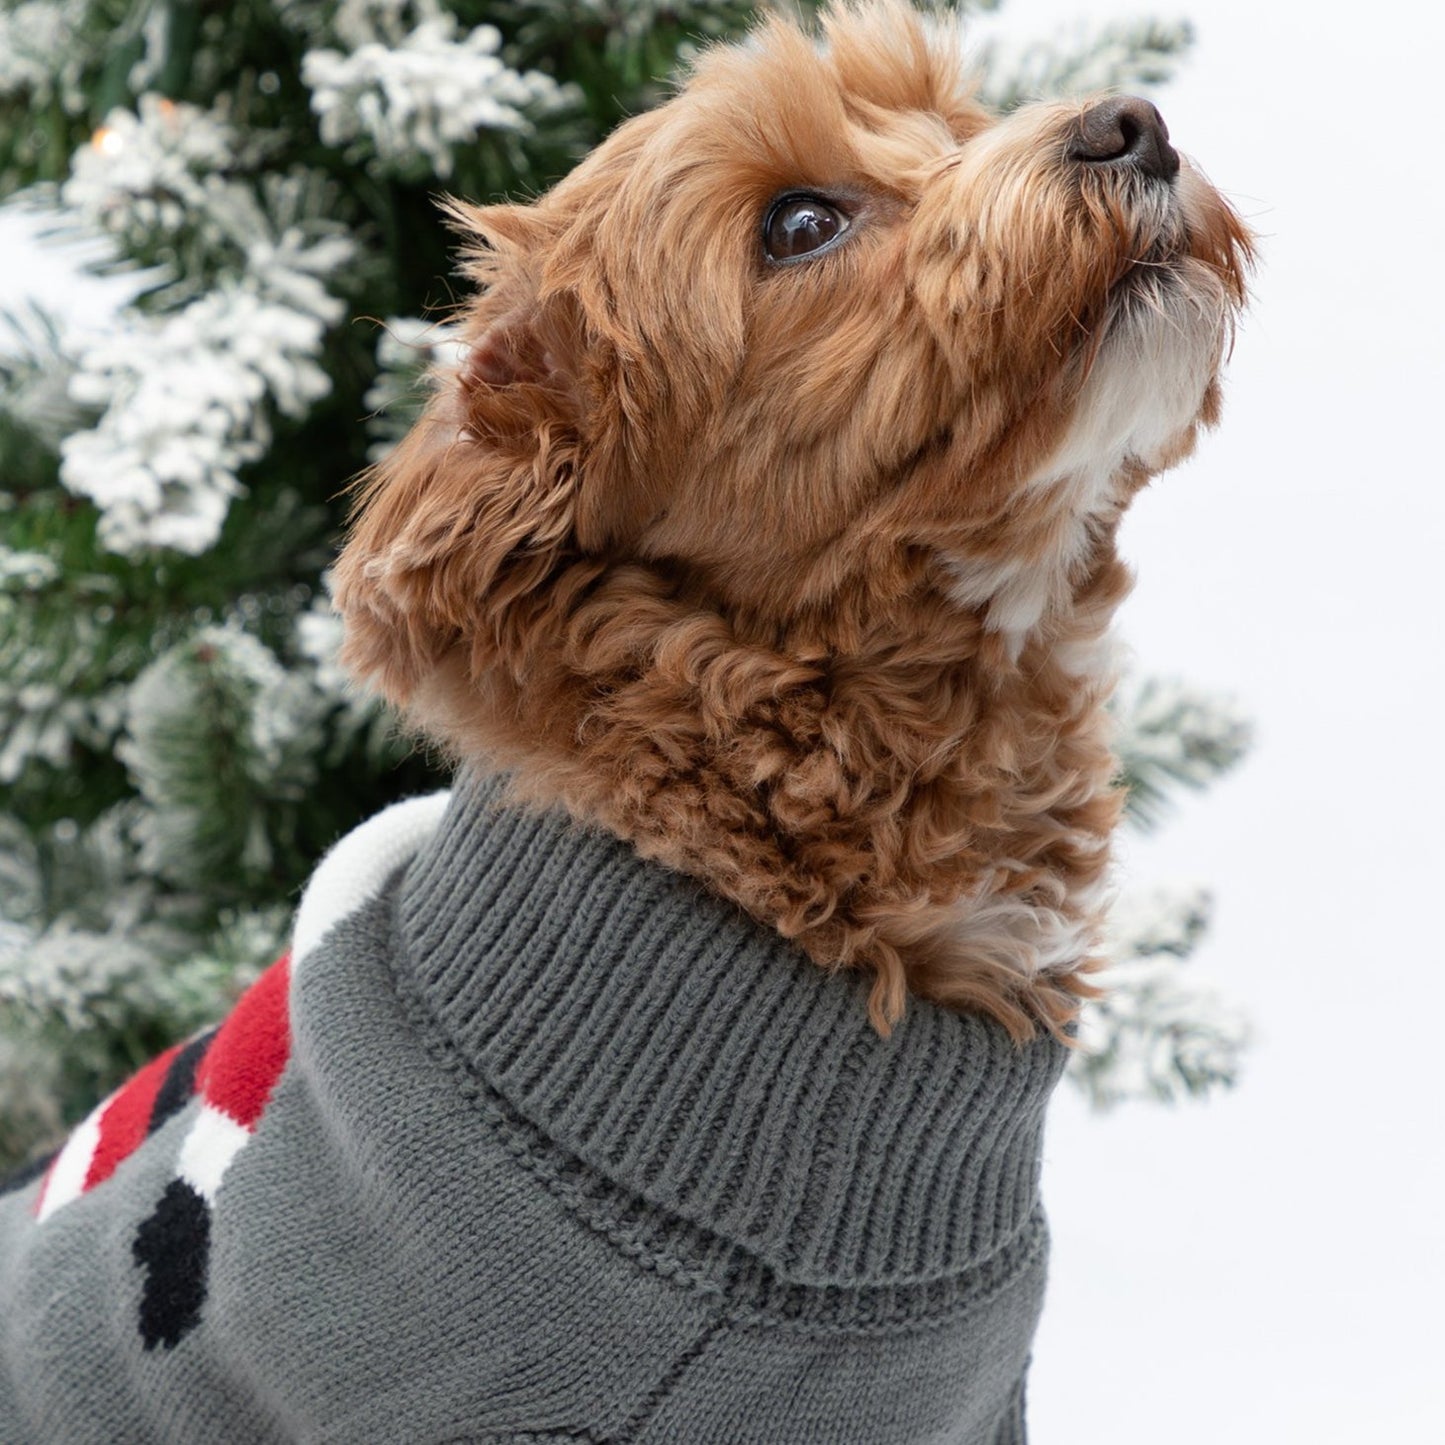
534 1141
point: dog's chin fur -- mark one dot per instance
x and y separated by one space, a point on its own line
797 575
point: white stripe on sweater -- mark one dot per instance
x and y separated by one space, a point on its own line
211 1143
66 1179
355 869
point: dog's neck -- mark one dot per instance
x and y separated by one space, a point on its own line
1020 588
899 787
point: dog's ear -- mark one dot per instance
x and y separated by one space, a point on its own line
476 509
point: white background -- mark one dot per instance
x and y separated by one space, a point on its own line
1269 1268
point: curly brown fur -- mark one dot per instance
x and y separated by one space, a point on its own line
796 575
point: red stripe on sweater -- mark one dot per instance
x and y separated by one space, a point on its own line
243 1064
126 1117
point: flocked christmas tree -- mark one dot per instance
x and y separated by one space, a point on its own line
177 744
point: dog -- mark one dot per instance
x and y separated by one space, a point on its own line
681 1076
770 524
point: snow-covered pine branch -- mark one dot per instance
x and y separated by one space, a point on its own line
185 400
414 85
1171 734
217 730
44 50
1125 56
149 173
185 394
1156 1034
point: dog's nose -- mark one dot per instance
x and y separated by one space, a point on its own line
1126 128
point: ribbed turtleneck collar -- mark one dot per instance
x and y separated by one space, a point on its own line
695 1058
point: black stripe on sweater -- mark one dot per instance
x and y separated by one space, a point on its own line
179 1085
173 1247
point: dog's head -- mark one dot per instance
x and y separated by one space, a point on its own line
818 311
816 329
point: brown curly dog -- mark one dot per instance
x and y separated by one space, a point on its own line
770 523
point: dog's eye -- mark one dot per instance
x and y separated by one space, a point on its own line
799 226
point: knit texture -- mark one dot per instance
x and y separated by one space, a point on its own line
565 1148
